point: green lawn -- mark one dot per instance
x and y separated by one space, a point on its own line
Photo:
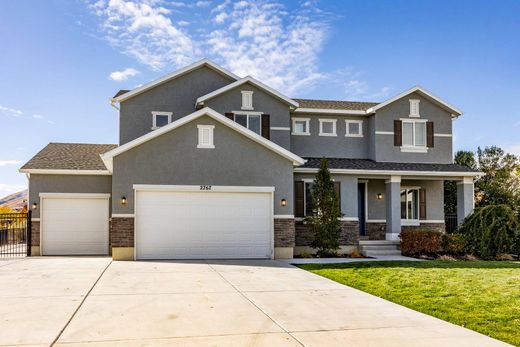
482 295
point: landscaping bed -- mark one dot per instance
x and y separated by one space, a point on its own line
480 295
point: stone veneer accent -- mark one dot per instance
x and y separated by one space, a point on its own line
35 233
349 233
376 231
122 232
284 232
440 227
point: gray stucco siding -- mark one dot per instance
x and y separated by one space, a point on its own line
262 102
174 159
177 96
66 184
384 148
339 146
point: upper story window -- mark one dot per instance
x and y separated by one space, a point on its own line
300 126
414 107
205 136
327 127
247 100
252 121
354 128
414 133
161 119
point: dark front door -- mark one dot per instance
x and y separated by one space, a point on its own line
361 208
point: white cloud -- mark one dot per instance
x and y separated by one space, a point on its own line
203 3
37 116
8 111
6 189
9 162
123 75
143 31
183 23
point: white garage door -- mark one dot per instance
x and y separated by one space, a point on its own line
198 225
74 224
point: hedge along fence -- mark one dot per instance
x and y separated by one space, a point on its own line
491 230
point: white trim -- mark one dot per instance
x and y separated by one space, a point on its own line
65 172
248 112
207 188
410 222
283 216
349 219
108 156
414 102
173 75
394 179
307 126
414 147
247 96
389 172
375 221
425 221
327 120
347 131
123 215
411 149
442 135
35 219
160 113
201 129
281 128
330 111
247 79
74 195
466 180
417 89
392 237
413 120
384 132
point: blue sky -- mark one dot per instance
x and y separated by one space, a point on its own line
61 60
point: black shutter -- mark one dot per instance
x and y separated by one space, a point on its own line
299 201
429 134
398 133
266 127
422 204
337 189
230 115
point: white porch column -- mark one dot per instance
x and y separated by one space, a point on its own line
393 208
465 198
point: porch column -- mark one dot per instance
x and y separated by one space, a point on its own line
465 198
393 208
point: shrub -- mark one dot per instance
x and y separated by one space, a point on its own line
420 242
490 230
453 244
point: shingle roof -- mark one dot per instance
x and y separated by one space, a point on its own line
335 104
121 92
367 164
69 156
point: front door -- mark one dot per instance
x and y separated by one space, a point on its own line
361 209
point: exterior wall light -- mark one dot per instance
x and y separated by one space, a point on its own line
123 200
283 202
379 196
34 205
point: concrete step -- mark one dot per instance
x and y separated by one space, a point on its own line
378 247
374 253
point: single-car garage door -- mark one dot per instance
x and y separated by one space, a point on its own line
74 224
190 223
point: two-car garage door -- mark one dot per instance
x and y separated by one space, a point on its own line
182 224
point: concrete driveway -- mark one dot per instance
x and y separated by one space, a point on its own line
74 301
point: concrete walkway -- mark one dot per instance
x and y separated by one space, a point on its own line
96 302
348 260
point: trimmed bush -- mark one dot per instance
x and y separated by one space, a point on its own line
453 244
491 230
420 242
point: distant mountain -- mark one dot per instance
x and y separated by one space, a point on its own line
15 201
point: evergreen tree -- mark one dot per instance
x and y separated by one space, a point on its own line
325 220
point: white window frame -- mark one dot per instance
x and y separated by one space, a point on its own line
307 126
305 182
248 114
414 106
409 221
414 148
347 131
160 113
247 100
328 120
201 129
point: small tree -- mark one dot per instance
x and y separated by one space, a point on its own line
325 220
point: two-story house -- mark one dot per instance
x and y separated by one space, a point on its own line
211 165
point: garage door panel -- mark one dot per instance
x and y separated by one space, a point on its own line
203 225
75 226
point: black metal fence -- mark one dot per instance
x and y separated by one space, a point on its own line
15 234
450 220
